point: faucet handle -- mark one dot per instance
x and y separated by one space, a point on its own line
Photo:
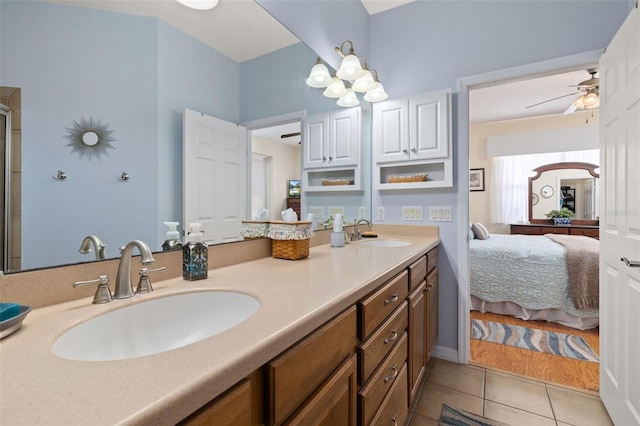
103 294
144 285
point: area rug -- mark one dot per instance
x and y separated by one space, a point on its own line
533 339
451 416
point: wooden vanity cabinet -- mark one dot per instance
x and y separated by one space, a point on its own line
432 311
417 352
240 405
382 354
299 380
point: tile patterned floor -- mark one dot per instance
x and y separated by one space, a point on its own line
504 397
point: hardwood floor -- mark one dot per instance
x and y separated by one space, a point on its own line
545 367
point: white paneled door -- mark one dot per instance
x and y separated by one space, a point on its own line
620 224
214 176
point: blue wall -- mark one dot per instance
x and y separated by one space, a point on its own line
134 73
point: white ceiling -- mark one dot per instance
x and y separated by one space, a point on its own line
242 30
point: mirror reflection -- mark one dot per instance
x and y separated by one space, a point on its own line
64 64
574 186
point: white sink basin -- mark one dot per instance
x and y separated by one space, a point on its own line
155 326
386 243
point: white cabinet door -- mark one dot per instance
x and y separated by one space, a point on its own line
429 126
315 138
344 138
391 131
214 176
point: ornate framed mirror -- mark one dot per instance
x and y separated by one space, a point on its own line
573 185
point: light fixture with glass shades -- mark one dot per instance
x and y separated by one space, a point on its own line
351 77
199 4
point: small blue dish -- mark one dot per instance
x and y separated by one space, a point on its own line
11 325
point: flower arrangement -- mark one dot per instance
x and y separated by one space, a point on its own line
561 217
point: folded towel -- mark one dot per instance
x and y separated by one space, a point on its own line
9 310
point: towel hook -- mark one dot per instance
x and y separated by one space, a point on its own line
61 175
124 177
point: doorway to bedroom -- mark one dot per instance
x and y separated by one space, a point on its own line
545 117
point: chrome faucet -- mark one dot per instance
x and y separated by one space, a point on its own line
85 247
124 289
357 235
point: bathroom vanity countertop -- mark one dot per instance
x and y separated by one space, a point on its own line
39 388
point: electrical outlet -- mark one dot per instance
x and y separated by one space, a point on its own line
362 212
380 214
333 210
318 212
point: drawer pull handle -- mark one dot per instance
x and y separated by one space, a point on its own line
395 420
393 376
393 337
394 298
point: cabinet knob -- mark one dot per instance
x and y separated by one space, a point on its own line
392 299
330 158
324 158
414 149
405 150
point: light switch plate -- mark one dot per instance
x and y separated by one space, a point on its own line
333 210
413 213
440 214
318 212
380 213
362 212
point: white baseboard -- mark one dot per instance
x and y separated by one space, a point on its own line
448 354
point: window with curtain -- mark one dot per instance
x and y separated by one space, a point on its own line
509 196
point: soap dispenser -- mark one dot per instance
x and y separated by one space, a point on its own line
195 255
172 241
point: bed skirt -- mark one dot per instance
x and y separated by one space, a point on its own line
551 315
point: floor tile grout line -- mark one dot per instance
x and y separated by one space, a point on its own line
546 388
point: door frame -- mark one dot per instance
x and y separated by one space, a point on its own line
552 66
262 123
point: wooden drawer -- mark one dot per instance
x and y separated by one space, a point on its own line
372 394
527 230
334 403
375 308
587 232
294 375
380 343
552 230
432 259
395 407
417 272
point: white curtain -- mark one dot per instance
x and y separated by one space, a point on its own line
509 196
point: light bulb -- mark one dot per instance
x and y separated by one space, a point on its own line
364 83
376 95
199 4
336 89
319 76
591 99
350 69
348 100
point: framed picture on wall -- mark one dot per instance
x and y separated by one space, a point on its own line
476 180
294 188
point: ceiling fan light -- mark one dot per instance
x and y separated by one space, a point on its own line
199 4
377 94
364 83
350 69
591 100
335 89
348 100
319 76
579 103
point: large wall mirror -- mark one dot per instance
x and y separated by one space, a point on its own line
571 185
134 75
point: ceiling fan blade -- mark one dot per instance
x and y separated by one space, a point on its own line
571 109
289 135
553 99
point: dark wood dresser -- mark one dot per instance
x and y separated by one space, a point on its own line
294 203
541 229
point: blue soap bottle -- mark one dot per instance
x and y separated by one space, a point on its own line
195 255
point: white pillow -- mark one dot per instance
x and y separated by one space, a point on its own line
480 231
472 235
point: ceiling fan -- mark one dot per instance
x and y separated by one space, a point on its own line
589 91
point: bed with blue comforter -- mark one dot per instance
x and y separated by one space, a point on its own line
524 276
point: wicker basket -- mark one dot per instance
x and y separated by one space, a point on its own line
254 229
404 179
290 240
335 182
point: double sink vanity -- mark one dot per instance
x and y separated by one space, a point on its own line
344 334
